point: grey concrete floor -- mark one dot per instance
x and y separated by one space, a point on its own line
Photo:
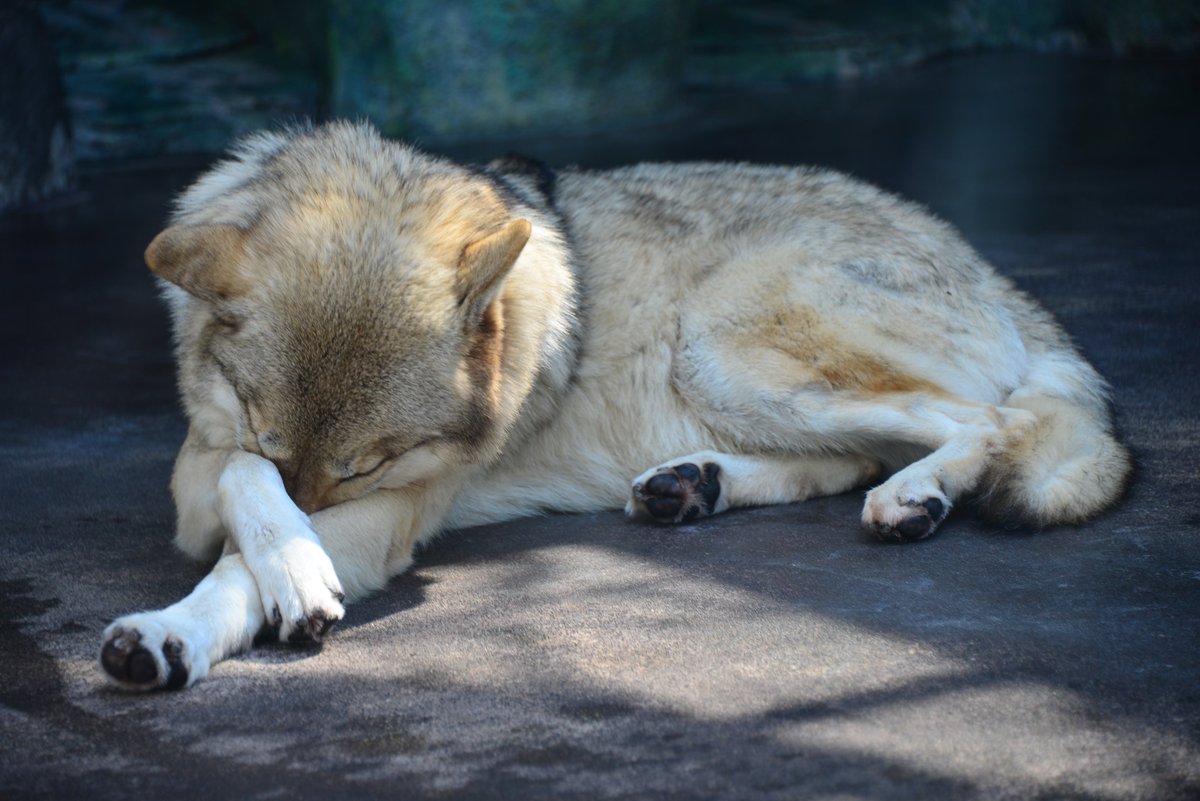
765 654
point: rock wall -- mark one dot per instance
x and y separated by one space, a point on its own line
35 132
430 68
152 77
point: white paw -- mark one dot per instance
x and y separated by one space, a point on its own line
906 507
297 585
299 589
152 650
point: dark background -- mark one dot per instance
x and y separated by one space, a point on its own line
138 78
773 653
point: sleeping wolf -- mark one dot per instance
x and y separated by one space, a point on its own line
376 345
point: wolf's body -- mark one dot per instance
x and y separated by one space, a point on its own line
398 345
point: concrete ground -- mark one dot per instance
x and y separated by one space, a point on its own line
772 653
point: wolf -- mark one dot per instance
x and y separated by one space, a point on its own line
376 345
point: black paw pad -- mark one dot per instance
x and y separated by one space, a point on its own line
914 528
681 492
664 496
128 661
918 526
136 666
177 672
311 629
936 509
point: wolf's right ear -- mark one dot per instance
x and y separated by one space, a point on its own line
205 260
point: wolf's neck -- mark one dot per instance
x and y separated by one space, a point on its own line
542 317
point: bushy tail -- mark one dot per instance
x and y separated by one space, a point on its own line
1066 469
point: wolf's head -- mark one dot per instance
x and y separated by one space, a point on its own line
348 290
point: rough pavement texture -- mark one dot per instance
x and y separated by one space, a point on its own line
764 654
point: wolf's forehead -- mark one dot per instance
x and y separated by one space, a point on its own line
360 323
322 370
325 225
420 223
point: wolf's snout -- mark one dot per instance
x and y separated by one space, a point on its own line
305 494
310 496
289 481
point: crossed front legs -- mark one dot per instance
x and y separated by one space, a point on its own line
275 571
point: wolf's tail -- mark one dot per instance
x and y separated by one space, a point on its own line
1069 466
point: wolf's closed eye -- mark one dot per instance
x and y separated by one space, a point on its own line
365 466
415 464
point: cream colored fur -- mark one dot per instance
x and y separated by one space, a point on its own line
376 346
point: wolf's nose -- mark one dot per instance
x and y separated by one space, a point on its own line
301 495
307 501
289 482
309 497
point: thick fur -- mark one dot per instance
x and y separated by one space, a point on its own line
376 345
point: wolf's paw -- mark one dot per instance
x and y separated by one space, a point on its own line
905 510
149 652
300 591
678 492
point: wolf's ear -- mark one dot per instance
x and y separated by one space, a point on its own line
485 263
206 260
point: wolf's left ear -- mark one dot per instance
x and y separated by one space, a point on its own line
206 260
484 264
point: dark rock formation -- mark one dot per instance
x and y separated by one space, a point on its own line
453 70
35 133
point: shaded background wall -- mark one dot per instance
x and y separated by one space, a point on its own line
95 80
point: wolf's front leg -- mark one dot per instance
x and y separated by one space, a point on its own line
364 542
174 647
297 584
273 571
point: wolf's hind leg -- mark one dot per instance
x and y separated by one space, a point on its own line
707 483
775 409
911 504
